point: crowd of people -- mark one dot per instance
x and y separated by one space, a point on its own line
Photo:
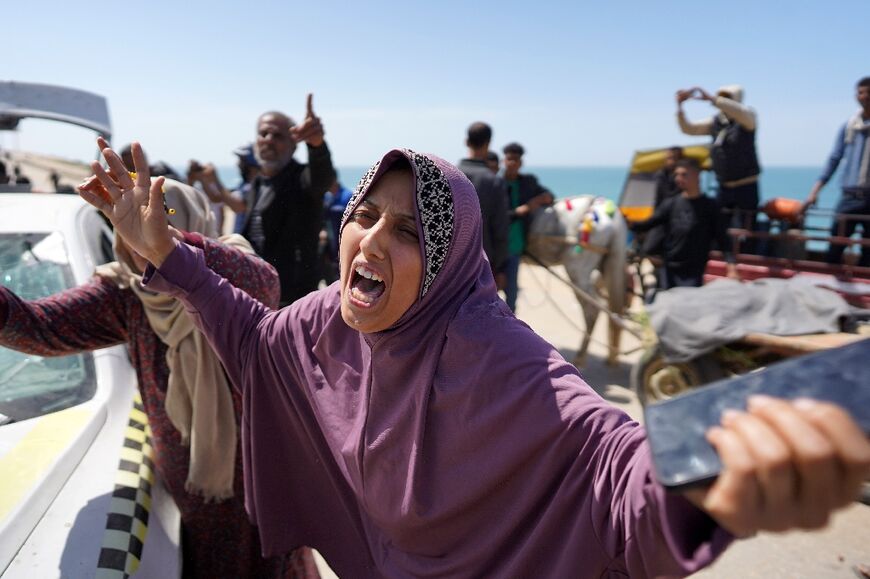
16 178
691 221
508 200
401 420
686 224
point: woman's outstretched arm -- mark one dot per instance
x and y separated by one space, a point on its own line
232 258
83 318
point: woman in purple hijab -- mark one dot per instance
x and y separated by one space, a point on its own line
404 423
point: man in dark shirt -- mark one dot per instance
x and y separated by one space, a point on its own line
525 196
492 193
653 241
692 221
666 186
493 162
285 202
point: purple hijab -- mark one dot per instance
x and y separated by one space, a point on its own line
456 443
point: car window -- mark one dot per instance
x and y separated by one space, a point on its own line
107 253
97 234
36 265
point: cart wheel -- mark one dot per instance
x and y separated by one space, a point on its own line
654 380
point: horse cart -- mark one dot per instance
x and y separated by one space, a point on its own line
655 378
785 245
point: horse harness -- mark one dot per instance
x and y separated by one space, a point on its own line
587 225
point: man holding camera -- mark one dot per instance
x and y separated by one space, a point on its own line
735 161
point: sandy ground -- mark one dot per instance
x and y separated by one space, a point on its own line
38 168
550 308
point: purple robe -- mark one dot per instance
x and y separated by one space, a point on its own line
456 443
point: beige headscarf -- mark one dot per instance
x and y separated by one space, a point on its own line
198 399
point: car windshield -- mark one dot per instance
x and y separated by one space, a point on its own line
35 265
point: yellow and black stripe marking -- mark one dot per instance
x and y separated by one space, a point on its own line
127 522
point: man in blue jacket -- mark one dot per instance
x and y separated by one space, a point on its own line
851 145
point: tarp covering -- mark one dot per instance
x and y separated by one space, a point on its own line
22 100
690 322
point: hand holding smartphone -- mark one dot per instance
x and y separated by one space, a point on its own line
676 428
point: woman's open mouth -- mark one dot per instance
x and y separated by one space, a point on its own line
366 286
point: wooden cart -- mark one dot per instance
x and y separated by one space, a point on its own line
654 379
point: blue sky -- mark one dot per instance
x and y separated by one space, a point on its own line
578 83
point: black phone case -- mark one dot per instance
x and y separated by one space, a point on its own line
682 456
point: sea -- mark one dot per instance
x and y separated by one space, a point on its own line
789 182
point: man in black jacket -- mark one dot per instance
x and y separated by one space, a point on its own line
525 196
665 188
285 203
492 193
692 222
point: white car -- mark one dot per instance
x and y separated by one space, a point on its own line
78 493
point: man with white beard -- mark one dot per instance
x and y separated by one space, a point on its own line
285 203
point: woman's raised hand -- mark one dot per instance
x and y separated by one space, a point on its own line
136 209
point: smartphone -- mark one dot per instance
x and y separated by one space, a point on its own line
682 457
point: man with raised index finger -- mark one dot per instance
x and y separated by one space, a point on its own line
285 203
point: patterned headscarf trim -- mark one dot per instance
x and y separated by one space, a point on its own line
434 209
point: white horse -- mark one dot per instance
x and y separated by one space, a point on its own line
586 234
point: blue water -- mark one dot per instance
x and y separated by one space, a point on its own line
790 182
